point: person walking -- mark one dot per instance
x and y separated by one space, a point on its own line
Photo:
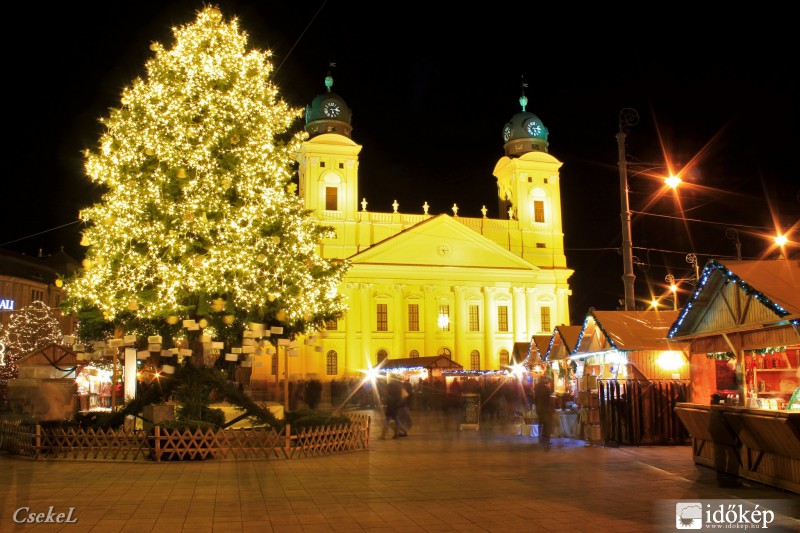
404 411
393 402
544 411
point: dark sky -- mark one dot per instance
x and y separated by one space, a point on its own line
430 91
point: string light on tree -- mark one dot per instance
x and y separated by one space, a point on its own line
198 218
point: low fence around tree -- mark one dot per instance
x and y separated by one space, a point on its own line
161 444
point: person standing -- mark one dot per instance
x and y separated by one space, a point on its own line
404 411
544 411
392 407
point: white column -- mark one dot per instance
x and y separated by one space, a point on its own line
367 311
530 309
520 318
351 321
563 307
398 326
460 323
490 327
430 314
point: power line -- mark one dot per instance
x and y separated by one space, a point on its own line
703 221
41 232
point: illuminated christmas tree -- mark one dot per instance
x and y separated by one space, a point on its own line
32 327
199 218
29 329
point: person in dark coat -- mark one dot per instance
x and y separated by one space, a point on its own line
544 410
313 393
394 401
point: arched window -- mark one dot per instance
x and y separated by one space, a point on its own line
332 363
413 353
474 360
503 358
382 355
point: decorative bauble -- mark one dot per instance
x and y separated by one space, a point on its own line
281 315
59 283
132 306
218 305
198 261
87 264
182 173
85 241
276 239
203 323
228 319
154 47
271 297
172 320
149 151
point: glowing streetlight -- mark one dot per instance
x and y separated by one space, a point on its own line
674 288
673 182
780 241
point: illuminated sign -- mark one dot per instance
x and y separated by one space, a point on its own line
2 354
6 305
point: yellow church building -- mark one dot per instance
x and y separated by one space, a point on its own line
424 284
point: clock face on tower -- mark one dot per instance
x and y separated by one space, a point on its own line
507 132
533 128
331 109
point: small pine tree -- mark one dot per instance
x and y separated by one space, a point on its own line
32 327
199 218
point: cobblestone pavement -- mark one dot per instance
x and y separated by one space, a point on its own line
440 478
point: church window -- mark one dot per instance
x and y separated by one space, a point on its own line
383 317
475 360
382 355
341 165
504 358
331 198
541 245
413 317
538 211
322 164
545 314
546 181
332 325
413 353
444 318
474 318
530 179
502 318
332 363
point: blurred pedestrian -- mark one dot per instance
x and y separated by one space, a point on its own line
544 411
394 400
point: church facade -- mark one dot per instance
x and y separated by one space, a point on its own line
423 284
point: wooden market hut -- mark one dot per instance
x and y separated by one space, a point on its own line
742 326
638 373
433 364
44 388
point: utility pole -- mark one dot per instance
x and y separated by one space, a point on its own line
627 117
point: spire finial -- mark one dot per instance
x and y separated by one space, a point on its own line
329 77
523 100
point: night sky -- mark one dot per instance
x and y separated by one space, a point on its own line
430 92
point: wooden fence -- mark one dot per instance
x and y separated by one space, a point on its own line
160 444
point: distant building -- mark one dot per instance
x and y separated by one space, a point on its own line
25 279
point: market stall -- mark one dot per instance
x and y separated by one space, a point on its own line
743 329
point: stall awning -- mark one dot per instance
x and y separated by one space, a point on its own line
430 362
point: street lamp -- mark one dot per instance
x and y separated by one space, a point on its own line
669 278
780 242
627 117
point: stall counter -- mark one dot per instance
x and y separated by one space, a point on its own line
758 444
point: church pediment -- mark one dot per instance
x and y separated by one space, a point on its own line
441 241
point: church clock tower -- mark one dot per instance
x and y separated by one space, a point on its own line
328 168
528 186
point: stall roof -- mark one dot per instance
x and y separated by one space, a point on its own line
429 362
55 355
776 281
564 340
539 346
629 330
